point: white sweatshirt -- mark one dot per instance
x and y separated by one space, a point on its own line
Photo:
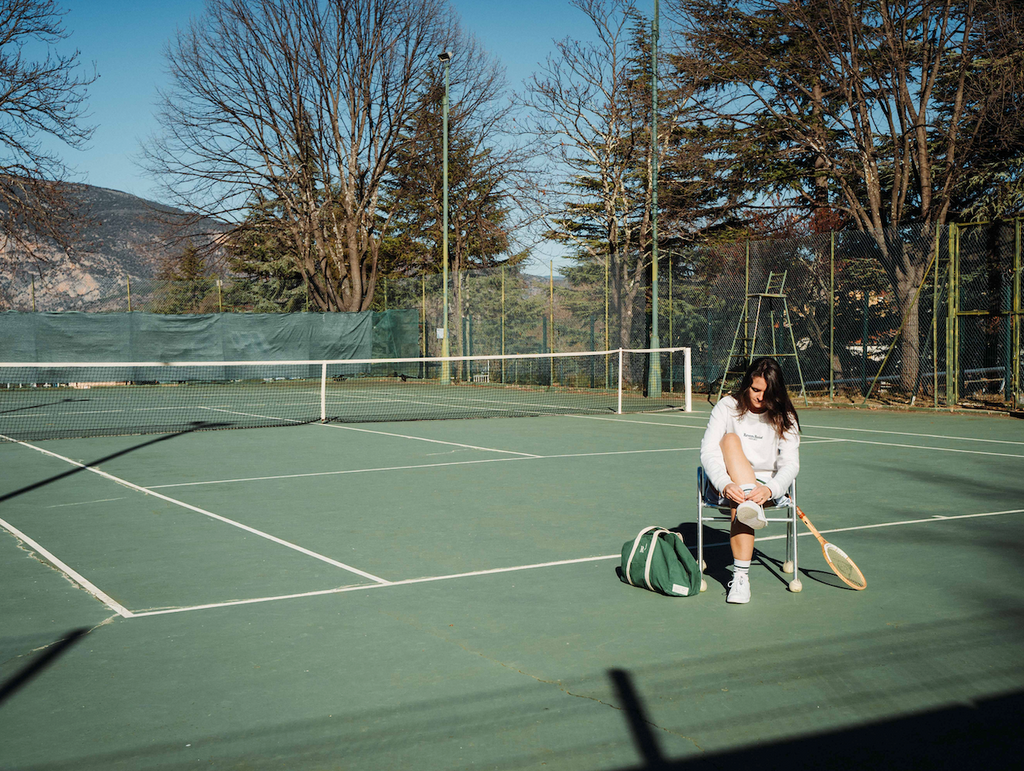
774 458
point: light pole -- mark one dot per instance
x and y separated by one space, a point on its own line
445 58
654 379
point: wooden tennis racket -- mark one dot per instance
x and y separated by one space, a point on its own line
837 559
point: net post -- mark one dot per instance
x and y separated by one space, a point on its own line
323 392
619 412
687 372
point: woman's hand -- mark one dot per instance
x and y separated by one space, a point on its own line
733 492
759 494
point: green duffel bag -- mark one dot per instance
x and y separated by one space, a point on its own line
657 559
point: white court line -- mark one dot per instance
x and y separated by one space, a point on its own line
360 587
419 466
493 571
639 422
424 439
84 503
936 518
66 569
880 431
335 473
558 409
918 447
204 512
829 438
382 433
925 436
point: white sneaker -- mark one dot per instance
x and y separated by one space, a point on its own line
739 589
751 514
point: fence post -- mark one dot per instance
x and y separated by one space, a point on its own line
864 344
832 318
952 347
551 279
323 392
1015 321
593 320
671 339
935 327
688 377
1006 304
619 411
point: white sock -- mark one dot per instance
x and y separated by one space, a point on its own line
740 566
748 488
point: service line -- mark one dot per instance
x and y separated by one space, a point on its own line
535 566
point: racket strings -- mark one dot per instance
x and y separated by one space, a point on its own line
844 567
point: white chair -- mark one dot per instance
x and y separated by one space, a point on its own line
707 498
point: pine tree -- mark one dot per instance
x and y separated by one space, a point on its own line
187 286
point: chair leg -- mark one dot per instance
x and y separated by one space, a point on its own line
795 585
700 548
787 566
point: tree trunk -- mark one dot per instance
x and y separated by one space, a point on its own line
907 284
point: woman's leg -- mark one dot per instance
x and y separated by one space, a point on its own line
741 537
736 463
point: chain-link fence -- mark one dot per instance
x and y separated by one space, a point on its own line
908 316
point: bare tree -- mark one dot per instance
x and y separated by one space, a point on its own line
39 97
301 102
586 109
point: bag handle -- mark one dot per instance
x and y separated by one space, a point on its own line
650 553
636 543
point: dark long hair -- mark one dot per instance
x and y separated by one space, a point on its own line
778 408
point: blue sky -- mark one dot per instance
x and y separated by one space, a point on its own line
125 39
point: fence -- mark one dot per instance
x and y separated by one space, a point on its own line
908 316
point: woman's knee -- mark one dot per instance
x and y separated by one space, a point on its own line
730 442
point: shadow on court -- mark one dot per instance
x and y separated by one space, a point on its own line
197 426
40 405
10 686
980 735
719 559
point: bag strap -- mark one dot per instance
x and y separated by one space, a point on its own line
650 553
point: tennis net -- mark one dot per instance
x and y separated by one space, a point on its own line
59 399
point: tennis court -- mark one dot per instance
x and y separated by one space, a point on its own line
443 595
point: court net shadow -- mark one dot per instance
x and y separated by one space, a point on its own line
41 405
197 426
47 657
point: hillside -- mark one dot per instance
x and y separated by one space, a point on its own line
122 238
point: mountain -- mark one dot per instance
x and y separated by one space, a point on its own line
123 241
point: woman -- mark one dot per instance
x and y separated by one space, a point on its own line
751 454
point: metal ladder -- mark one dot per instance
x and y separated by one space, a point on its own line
749 332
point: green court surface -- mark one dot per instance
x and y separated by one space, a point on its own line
443 595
